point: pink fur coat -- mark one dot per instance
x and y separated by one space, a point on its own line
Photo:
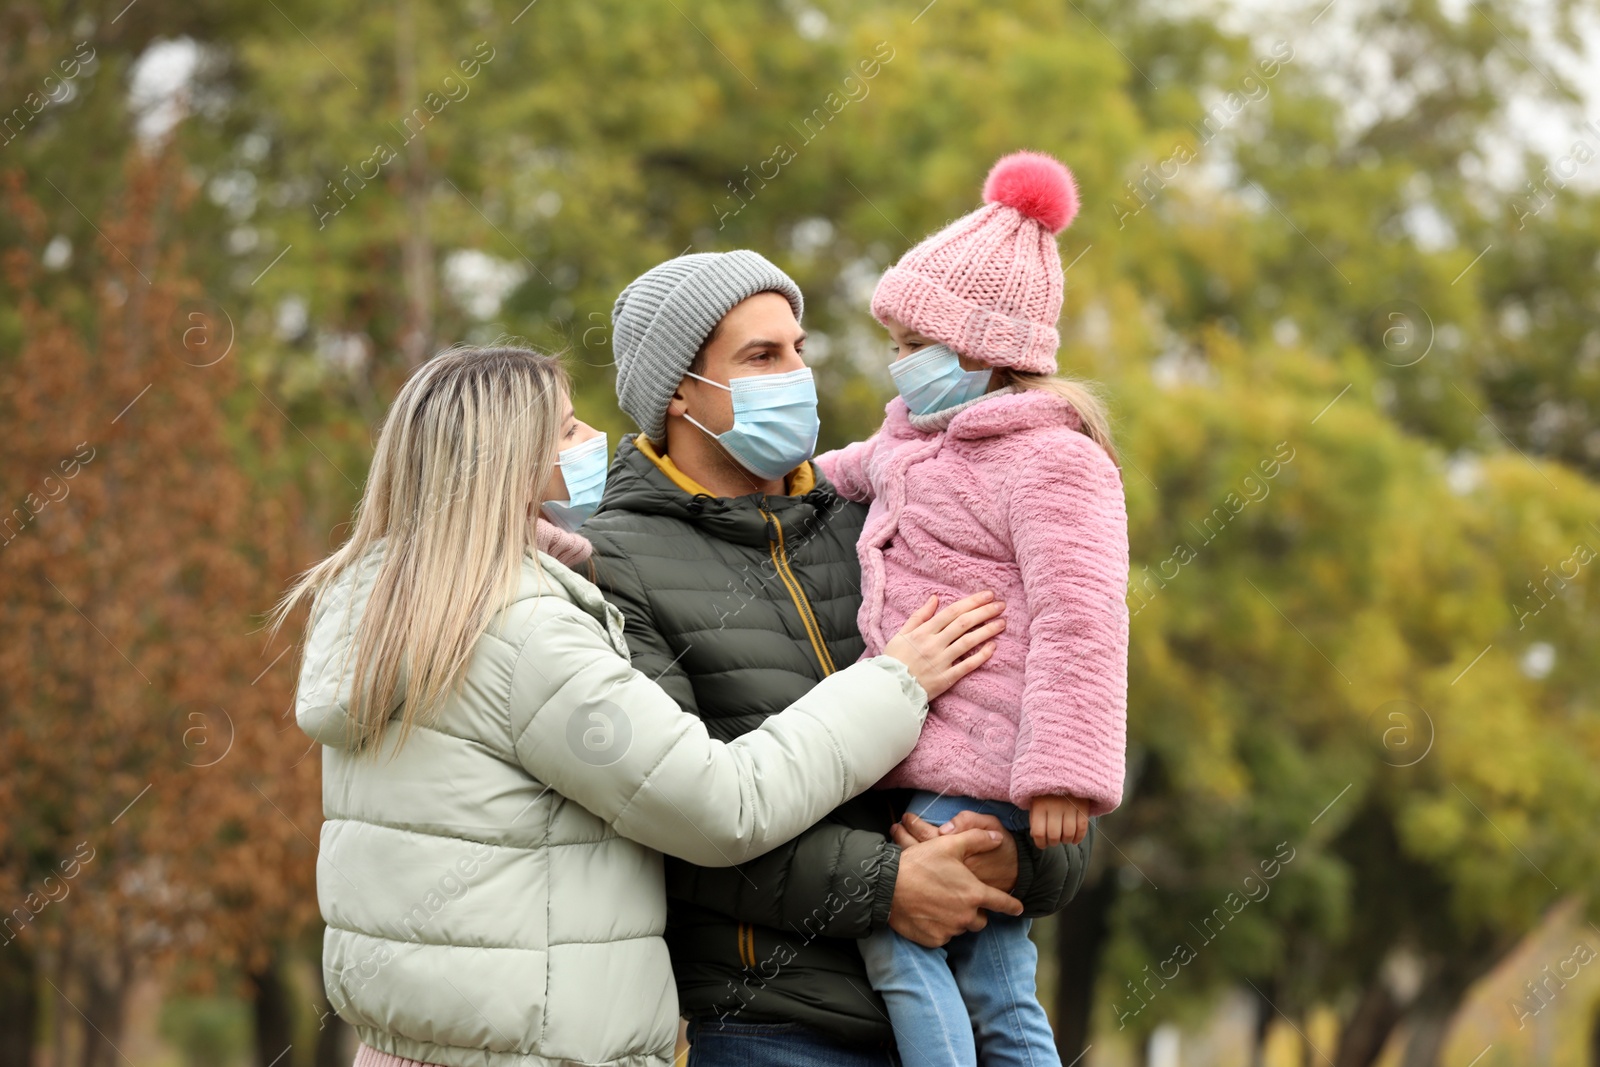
1009 497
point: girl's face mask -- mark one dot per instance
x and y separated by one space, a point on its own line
932 379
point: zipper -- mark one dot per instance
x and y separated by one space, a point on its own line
808 618
747 930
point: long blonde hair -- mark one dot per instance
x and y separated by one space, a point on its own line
451 497
1080 394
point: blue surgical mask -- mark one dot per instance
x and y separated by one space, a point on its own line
583 468
775 421
933 379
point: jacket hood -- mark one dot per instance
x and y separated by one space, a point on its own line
322 699
994 416
635 484
327 669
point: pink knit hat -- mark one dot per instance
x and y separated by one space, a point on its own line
989 284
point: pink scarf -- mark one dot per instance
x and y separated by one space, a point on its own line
570 548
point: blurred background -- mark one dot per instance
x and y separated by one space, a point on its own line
1335 270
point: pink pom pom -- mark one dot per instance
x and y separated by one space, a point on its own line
1036 185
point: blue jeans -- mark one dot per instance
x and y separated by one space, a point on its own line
725 1044
973 1000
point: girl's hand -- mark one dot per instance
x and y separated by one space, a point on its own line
932 642
1056 819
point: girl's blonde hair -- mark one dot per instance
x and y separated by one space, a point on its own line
464 453
1081 395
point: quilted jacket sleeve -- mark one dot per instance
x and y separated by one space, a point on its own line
831 880
834 881
1048 878
598 732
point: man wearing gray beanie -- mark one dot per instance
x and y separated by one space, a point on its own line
734 563
662 318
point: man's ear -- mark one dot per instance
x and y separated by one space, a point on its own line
677 405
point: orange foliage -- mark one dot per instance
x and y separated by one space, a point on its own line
143 721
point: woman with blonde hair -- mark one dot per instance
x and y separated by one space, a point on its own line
498 783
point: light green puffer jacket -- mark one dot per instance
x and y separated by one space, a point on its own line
493 892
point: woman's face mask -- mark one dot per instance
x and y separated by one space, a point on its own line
583 468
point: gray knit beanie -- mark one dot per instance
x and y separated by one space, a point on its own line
663 317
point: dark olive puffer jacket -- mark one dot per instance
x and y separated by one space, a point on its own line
737 607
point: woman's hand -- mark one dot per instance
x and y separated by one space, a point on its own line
932 642
1053 820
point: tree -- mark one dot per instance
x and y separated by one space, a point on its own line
1272 252
166 807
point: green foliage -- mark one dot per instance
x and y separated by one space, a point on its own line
1286 277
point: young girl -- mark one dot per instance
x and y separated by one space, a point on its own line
992 472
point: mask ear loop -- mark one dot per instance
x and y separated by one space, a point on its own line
697 424
708 381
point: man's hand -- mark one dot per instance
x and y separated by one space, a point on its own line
996 867
937 897
1056 819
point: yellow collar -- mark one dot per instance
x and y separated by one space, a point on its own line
799 481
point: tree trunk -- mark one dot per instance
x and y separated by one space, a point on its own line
269 1002
416 249
1363 1037
334 1035
104 1006
1429 1028
1430 1016
1080 940
332 1042
1265 1013
19 1004
58 971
